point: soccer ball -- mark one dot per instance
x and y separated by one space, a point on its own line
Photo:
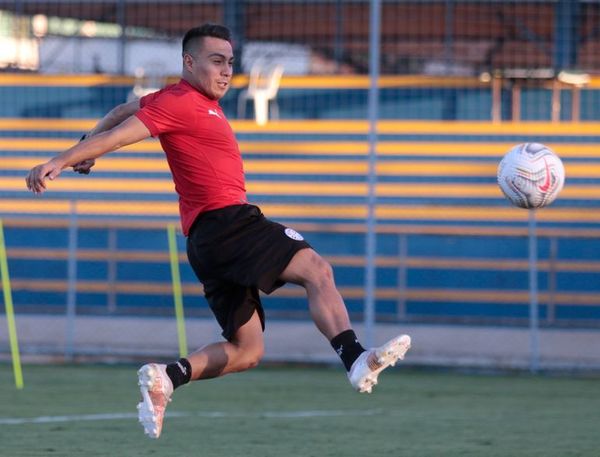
531 175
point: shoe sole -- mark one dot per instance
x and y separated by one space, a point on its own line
145 408
387 355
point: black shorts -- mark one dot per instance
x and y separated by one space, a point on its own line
235 251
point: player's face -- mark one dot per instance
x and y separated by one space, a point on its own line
211 67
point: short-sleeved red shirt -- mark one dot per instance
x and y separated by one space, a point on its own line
201 149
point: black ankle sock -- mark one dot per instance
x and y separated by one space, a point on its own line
179 372
347 347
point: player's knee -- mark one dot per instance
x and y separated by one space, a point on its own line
251 358
322 272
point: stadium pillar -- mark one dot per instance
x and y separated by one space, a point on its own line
373 114
566 33
71 284
233 17
534 342
449 33
338 44
122 20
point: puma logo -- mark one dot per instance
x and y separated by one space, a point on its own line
182 368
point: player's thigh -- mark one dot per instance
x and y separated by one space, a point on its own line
250 336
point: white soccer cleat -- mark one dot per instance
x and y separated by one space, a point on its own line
156 388
364 371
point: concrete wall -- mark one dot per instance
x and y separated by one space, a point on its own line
126 339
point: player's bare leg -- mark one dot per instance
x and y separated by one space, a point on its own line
329 313
243 352
325 303
156 380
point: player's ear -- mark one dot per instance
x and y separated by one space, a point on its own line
188 61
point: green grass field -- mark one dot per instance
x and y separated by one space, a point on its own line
301 411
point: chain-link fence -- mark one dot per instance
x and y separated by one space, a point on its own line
449 60
461 82
450 37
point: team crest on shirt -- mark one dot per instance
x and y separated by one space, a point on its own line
293 234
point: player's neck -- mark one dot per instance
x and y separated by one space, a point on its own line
199 89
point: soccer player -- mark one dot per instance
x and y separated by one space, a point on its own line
233 249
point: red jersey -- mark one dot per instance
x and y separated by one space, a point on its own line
201 149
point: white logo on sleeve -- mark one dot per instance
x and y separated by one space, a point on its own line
293 234
214 112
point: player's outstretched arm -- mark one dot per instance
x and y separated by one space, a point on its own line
114 117
128 132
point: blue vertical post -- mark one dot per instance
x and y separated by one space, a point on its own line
566 33
373 114
402 276
111 274
71 284
122 20
338 44
449 96
449 33
233 17
533 296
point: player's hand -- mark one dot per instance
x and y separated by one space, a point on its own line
84 166
36 179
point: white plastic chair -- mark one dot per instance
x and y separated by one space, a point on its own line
146 82
262 89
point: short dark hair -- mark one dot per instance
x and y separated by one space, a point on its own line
211 30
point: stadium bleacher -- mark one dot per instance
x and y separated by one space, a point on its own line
449 245
340 97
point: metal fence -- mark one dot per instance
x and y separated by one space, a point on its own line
450 37
459 82
450 60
